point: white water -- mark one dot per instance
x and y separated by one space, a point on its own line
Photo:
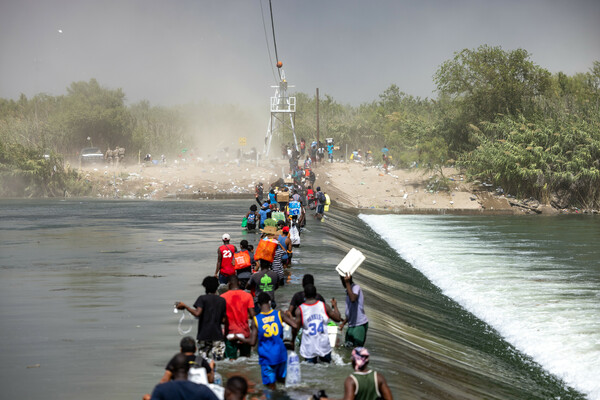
530 289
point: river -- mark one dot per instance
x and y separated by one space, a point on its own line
459 307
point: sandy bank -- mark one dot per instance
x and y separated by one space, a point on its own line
351 185
369 189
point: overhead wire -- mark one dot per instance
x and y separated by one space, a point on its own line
274 41
262 14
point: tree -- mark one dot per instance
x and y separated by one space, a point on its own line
487 82
90 110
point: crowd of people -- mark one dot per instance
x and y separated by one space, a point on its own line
246 313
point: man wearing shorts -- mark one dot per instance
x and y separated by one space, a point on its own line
239 308
225 260
210 309
314 315
267 329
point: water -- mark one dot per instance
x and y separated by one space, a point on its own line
87 291
535 280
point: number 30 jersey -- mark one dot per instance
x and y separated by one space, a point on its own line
315 340
271 350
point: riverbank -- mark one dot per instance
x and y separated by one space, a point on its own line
354 186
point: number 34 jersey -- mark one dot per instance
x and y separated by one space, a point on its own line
271 350
315 340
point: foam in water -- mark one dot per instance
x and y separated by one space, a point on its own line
536 300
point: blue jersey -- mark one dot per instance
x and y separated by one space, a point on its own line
271 350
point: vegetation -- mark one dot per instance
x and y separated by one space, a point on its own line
498 115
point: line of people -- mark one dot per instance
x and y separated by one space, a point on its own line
246 314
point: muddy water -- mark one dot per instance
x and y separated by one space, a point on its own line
87 288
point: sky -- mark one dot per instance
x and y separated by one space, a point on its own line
173 52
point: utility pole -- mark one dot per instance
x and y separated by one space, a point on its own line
318 139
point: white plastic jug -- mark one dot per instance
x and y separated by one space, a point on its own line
293 376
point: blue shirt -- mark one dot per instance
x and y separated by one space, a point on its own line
272 198
271 349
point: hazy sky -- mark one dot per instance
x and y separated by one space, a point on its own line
178 51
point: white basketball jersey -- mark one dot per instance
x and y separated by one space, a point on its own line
315 340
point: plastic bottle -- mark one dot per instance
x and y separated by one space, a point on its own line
293 376
218 379
287 333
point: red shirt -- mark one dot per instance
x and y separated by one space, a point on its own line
237 304
227 267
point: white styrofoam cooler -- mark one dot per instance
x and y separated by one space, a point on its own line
350 263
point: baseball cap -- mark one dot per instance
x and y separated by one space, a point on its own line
226 236
285 229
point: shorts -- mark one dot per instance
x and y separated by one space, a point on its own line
356 335
325 359
232 348
223 279
272 373
211 349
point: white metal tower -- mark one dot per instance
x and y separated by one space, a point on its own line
282 106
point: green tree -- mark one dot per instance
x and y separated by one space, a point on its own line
485 83
89 110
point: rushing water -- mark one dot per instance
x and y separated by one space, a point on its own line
535 280
87 289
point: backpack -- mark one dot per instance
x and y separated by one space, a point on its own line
321 197
242 260
251 218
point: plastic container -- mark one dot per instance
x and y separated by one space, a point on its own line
332 331
198 374
287 332
218 379
350 263
293 376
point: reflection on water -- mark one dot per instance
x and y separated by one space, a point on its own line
87 288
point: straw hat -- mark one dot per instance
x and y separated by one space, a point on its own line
269 230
